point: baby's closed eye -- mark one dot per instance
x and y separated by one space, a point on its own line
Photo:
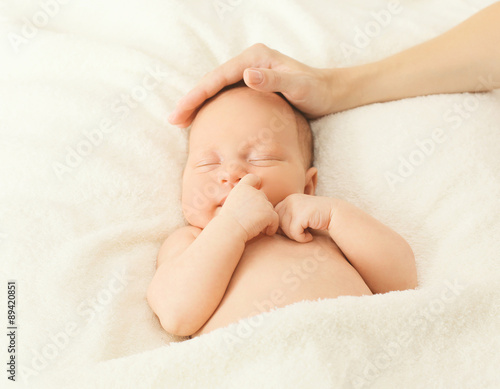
260 161
205 166
264 161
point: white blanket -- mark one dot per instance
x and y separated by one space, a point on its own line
90 174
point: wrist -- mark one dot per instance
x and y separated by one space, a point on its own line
347 87
339 82
232 226
334 225
365 84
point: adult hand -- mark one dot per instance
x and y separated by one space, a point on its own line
315 92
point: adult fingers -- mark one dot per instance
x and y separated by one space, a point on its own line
271 80
230 72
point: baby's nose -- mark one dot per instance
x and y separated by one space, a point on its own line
232 172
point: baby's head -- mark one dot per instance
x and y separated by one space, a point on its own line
241 131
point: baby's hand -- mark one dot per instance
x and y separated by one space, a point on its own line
298 211
250 207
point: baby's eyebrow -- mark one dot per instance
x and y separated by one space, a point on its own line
264 145
261 145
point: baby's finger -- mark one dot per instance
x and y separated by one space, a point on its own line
279 231
279 208
252 180
300 233
273 227
285 220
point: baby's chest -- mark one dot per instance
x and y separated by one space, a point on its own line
275 271
279 258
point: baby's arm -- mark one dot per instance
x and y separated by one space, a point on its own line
380 255
194 270
193 273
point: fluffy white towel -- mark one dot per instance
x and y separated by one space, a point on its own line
90 175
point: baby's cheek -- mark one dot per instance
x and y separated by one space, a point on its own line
197 216
279 188
196 208
274 191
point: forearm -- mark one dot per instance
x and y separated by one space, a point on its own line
187 292
463 59
380 255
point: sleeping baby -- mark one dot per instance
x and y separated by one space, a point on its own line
258 238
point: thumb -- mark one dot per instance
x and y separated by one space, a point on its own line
252 180
306 236
273 226
269 80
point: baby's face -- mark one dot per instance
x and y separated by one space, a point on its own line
242 131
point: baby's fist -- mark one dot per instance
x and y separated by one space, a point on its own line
299 211
250 207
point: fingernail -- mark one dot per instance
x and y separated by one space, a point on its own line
171 116
255 76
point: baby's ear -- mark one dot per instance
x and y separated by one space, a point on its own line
311 181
